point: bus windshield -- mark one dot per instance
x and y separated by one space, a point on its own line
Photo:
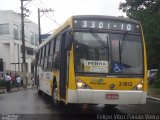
110 53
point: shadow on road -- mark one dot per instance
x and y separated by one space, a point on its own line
28 105
80 111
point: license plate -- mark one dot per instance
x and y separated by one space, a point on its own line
112 96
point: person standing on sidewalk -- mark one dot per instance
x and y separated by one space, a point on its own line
8 79
18 80
12 79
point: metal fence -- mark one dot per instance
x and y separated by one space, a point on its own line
13 85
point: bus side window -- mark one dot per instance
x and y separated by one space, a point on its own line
56 60
39 57
50 58
42 57
46 57
48 64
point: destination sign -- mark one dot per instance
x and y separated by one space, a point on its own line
106 24
95 66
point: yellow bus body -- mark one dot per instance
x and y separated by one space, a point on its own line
99 86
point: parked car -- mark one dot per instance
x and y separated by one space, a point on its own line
152 75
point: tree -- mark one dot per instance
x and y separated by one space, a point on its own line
148 13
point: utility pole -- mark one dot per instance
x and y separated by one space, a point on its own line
39 26
24 65
39 22
23 37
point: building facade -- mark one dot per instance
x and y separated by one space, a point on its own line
11 41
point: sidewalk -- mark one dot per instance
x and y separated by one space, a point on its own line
4 90
153 92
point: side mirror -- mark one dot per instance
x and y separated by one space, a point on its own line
68 41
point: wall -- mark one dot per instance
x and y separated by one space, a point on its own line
10 48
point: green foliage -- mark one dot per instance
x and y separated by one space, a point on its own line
156 83
148 13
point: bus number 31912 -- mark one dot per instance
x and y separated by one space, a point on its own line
125 83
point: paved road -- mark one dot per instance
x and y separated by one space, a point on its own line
27 104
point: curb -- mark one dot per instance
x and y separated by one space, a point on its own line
3 91
158 99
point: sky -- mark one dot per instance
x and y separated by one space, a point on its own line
63 9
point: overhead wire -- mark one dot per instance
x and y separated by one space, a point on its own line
43 3
47 14
34 4
50 31
40 4
28 3
52 19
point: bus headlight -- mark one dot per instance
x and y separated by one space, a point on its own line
139 86
82 85
79 84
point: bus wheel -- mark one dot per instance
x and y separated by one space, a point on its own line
54 95
38 89
54 100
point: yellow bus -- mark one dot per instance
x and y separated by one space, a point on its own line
94 59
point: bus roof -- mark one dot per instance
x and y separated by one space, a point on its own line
67 23
70 21
103 17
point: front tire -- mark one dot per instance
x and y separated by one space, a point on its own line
54 100
38 88
39 91
54 96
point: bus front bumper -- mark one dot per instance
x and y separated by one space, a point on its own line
106 96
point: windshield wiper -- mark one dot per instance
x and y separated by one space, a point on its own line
121 46
99 39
